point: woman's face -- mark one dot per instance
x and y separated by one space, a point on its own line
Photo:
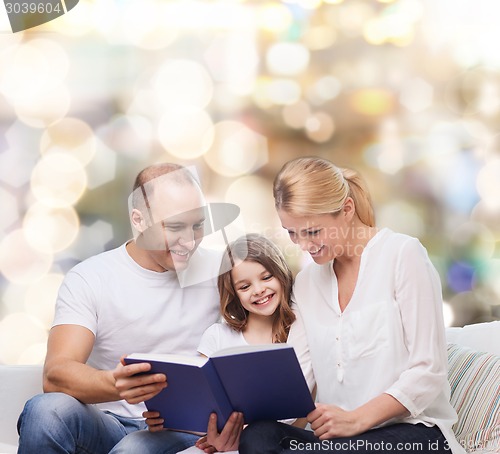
325 236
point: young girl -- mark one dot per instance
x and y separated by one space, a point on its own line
255 286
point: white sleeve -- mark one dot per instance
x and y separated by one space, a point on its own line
210 341
418 294
76 302
298 340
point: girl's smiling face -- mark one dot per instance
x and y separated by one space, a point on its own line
257 289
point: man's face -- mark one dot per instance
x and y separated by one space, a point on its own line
178 214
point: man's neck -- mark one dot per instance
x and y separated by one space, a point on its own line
142 258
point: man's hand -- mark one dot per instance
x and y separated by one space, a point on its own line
137 388
153 420
329 421
229 438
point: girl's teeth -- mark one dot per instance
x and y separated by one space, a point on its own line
265 300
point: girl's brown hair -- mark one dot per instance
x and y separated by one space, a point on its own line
259 249
314 186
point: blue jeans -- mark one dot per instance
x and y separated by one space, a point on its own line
58 423
270 437
165 442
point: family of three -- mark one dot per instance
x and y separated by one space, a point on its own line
365 320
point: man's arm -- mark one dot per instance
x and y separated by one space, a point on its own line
68 349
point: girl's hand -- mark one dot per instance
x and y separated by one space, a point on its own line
229 438
153 420
204 445
329 421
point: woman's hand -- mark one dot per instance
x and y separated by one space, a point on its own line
153 420
329 421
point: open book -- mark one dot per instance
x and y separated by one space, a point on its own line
261 381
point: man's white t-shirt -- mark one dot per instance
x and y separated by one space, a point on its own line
130 309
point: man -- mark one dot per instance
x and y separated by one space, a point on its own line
130 299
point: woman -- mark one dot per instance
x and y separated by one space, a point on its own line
369 322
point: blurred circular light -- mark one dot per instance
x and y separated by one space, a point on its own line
374 32
180 83
236 149
142 25
416 95
10 209
401 217
20 262
18 66
58 180
283 92
77 24
34 354
42 57
45 108
319 37
256 216
488 184
471 241
186 133
460 277
130 135
92 240
320 127
309 4
41 298
448 314
274 17
324 89
351 17
296 115
71 136
490 218
287 59
372 102
49 229
17 333
492 273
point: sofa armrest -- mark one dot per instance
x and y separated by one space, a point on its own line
18 384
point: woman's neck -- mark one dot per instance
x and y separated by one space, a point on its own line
359 239
259 329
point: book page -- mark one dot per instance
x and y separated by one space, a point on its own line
249 349
168 358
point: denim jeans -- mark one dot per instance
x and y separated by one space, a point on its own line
266 437
145 442
58 423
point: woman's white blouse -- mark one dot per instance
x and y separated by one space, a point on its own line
389 339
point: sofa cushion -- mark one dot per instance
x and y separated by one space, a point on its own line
483 337
475 394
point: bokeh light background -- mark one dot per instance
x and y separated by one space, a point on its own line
406 91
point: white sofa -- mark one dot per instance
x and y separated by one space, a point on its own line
474 375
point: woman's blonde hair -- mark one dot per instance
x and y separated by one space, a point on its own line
256 248
314 186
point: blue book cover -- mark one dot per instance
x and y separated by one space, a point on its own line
261 381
